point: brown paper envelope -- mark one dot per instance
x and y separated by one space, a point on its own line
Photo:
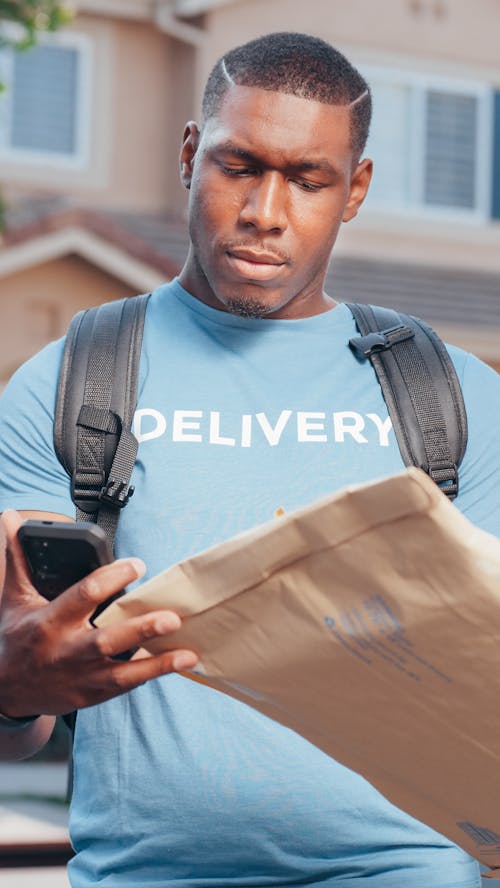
369 623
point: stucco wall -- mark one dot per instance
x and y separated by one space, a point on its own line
37 304
439 33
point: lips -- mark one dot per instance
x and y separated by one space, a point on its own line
255 265
260 257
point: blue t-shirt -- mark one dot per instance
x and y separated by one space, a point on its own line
176 784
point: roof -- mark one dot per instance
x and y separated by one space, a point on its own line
444 297
32 219
438 295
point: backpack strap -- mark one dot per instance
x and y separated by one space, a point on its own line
96 400
420 387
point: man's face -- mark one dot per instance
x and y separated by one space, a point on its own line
271 178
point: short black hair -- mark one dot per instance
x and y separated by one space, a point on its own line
300 65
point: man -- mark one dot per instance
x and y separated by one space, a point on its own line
249 399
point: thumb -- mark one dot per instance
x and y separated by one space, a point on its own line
17 583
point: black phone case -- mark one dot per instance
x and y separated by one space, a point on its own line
60 553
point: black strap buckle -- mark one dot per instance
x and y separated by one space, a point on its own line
85 490
115 493
445 475
366 346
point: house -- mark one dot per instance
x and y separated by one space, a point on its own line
90 128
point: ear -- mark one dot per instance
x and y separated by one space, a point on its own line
190 142
360 181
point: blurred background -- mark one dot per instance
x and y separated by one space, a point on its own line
91 119
90 126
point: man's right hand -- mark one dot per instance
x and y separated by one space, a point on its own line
52 660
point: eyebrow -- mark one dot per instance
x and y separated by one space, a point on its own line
229 147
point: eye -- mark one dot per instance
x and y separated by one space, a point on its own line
236 171
308 186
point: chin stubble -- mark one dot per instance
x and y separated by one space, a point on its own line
247 308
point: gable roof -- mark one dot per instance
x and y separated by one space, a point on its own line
44 229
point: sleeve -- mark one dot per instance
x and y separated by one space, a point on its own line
31 476
479 475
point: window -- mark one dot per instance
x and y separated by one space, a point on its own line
44 112
431 140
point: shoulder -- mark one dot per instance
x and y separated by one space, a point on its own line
472 371
31 476
481 389
480 469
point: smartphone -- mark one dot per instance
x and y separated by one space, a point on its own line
60 553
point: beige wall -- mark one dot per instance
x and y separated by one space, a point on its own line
36 305
141 97
456 32
147 127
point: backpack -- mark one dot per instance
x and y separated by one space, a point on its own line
97 395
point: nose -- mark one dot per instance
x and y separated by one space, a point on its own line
264 207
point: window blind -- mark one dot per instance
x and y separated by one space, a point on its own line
450 149
44 100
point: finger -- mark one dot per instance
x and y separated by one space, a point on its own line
18 583
80 600
130 634
126 676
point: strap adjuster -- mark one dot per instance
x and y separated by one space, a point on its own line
85 489
366 346
115 493
445 475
